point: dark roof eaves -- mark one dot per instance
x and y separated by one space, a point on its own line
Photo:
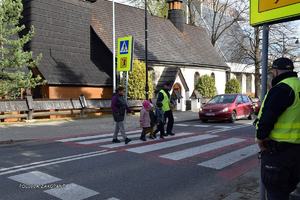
79 84
188 64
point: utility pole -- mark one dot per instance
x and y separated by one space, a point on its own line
114 47
146 52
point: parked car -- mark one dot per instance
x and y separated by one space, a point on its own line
227 107
256 105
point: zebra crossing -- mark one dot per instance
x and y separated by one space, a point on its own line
237 149
54 186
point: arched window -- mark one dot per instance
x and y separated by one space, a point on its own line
196 78
213 76
248 83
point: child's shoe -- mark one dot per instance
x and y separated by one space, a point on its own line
152 137
116 141
127 140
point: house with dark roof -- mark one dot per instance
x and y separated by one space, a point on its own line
75 38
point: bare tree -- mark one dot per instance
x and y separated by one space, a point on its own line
154 7
249 51
282 42
216 15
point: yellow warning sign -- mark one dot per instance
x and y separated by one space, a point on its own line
273 11
264 5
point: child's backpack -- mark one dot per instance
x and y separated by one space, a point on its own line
153 118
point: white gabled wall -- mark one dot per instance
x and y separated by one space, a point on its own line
188 73
220 76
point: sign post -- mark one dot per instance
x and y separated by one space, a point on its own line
125 57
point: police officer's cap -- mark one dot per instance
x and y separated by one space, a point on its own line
283 64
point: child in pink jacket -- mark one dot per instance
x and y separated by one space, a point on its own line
145 119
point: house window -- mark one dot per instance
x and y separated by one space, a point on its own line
227 76
196 78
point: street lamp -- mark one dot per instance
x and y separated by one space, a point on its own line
146 51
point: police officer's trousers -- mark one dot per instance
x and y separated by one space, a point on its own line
280 171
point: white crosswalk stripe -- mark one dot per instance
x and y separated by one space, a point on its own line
103 140
184 125
201 126
168 144
34 178
93 137
178 155
141 142
72 192
222 126
50 185
230 158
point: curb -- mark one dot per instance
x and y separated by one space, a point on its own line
11 142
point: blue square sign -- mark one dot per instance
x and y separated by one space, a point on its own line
124 47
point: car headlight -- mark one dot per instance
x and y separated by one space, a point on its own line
224 110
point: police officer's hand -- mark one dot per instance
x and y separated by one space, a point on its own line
261 144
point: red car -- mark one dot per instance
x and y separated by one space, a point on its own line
227 107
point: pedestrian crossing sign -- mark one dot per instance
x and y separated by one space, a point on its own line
124 56
124 47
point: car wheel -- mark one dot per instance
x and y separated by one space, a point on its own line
251 116
233 117
204 120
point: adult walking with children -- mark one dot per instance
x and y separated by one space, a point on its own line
119 107
164 98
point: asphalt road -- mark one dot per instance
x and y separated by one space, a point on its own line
202 161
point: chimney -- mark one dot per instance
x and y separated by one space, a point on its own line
176 14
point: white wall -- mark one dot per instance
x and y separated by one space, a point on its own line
220 77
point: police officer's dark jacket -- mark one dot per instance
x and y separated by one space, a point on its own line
279 98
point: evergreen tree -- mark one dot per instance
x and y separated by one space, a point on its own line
137 81
15 63
206 86
232 86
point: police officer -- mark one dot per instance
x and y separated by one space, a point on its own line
278 132
164 98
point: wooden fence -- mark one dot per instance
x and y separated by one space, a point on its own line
31 108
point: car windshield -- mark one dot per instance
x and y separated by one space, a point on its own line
223 99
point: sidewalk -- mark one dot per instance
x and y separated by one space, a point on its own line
69 128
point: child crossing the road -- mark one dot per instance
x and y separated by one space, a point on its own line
145 119
160 120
